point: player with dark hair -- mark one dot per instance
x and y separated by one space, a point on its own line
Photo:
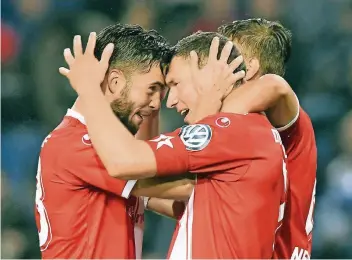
234 209
81 211
198 42
266 48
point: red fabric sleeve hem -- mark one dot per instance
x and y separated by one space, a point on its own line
171 161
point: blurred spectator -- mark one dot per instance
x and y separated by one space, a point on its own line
142 13
18 232
9 43
334 226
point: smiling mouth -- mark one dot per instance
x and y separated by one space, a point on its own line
143 116
184 112
139 115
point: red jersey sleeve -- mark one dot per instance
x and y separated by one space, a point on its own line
215 143
84 163
298 129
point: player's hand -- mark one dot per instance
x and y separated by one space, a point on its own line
85 71
216 79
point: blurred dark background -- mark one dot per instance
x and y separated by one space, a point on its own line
34 97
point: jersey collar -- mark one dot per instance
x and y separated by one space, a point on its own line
76 115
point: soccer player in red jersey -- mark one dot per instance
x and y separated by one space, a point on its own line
266 48
81 211
234 209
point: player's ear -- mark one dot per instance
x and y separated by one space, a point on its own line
116 81
252 66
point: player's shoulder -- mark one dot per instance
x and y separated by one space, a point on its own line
221 119
300 125
304 122
69 138
222 122
281 86
305 117
231 125
274 79
232 120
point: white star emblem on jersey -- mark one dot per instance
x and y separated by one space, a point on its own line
163 140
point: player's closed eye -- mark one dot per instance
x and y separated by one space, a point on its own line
172 83
152 90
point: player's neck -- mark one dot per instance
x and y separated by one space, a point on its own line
77 106
228 104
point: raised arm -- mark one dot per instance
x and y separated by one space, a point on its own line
122 155
270 93
215 80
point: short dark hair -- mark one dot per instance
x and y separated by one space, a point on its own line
135 49
268 41
200 42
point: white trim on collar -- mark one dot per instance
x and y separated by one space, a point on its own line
77 115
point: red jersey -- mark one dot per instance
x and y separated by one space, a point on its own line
234 209
81 212
136 207
294 239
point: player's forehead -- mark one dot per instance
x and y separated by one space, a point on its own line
178 66
154 75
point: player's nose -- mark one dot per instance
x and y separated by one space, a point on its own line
155 102
172 99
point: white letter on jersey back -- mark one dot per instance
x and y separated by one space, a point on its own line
310 221
300 253
45 229
277 139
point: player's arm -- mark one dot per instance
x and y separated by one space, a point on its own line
170 154
178 189
85 168
160 187
175 190
169 208
270 93
215 80
123 156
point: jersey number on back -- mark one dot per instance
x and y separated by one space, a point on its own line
310 221
45 235
284 172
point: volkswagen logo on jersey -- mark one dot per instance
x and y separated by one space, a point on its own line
195 137
223 122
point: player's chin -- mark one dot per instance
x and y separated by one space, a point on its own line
186 119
